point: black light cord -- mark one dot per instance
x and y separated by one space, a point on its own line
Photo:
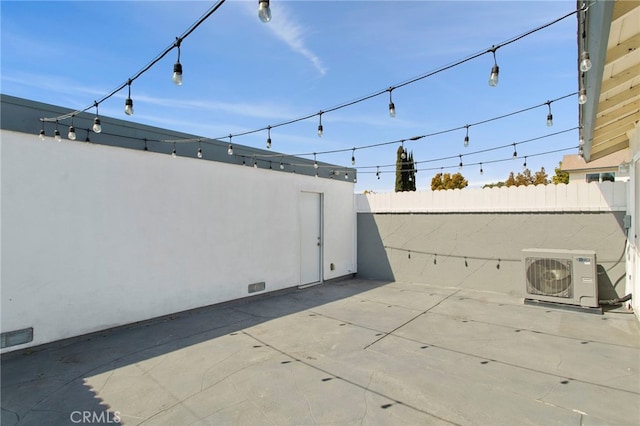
145 68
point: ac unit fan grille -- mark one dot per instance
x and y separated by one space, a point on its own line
549 277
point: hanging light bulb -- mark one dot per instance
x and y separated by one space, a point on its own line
264 11
582 96
315 163
515 153
549 115
230 148
174 154
581 141
403 155
353 157
581 152
392 107
585 61
281 166
177 67
460 165
495 70
199 154
466 137
128 103
72 133
97 126
320 132
481 171
255 164
378 172
268 137
346 175
56 134
41 135
145 143
524 165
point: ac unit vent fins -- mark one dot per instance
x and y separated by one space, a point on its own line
549 277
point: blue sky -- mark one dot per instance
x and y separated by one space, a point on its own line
241 74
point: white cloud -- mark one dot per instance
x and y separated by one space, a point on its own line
284 26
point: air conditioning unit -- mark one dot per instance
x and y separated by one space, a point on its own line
561 276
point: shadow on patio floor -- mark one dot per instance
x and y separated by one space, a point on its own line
340 353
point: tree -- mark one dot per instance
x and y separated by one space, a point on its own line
405 171
447 181
525 178
561 176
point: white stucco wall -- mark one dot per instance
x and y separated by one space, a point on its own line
96 236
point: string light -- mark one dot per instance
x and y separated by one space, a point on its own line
466 137
460 165
97 126
481 171
582 96
87 139
177 67
392 107
315 163
41 135
174 154
264 4
403 154
515 153
269 137
549 115
128 103
145 143
281 166
72 132
320 131
264 11
353 157
255 164
199 154
56 134
230 148
495 70
585 61
524 165
378 172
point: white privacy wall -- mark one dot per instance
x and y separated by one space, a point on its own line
96 236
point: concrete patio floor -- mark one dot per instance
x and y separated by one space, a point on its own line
352 352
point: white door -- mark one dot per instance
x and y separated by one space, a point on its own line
310 238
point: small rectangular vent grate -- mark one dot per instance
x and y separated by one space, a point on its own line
17 337
255 287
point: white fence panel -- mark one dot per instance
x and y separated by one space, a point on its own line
578 196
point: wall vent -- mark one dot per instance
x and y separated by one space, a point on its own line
256 287
17 337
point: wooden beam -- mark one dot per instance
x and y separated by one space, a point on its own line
622 49
611 146
621 78
624 110
622 7
623 97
